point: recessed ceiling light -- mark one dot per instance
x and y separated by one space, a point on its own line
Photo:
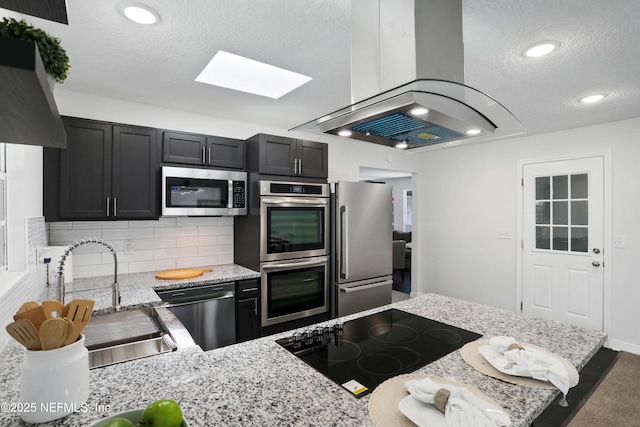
419 111
473 132
246 75
592 98
541 49
402 144
345 132
138 13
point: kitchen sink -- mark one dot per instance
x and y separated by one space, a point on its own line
133 334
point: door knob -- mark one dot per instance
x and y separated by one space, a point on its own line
596 250
596 263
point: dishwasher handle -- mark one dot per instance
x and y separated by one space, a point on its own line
223 295
196 293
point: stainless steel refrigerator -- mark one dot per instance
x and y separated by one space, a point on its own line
362 230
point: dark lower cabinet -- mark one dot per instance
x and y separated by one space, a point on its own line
108 171
247 310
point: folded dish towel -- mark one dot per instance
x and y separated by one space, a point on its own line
507 356
462 409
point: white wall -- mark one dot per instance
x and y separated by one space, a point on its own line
24 280
471 192
399 187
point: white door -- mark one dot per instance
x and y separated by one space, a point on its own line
563 236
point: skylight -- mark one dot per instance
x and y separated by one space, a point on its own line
239 73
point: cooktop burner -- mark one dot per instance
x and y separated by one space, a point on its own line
362 353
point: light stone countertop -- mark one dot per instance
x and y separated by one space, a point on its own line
260 383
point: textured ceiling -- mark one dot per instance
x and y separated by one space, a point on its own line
157 64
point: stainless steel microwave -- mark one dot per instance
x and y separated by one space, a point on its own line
203 192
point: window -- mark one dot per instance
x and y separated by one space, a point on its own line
561 212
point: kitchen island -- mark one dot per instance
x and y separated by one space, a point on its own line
260 383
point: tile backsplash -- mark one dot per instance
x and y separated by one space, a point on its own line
154 245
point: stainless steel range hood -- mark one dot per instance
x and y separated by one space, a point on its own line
407 80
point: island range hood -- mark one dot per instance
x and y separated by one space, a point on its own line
407 80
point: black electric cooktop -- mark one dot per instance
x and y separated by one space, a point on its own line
362 353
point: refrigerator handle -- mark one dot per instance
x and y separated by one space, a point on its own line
344 243
365 287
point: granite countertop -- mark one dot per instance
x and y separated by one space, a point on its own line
260 383
137 290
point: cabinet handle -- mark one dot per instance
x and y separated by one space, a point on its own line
107 206
249 290
299 166
295 166
209 150
255 306
115 206
203 158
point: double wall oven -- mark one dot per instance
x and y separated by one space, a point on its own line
294 250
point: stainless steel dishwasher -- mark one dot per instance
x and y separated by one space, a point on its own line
208 312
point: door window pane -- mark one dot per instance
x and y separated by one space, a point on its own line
561 187
561 238
561 213
579 186
579 212
543 237
543 212
579 239
543 188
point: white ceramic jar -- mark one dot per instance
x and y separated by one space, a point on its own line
54 383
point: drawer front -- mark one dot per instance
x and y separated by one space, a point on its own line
247 288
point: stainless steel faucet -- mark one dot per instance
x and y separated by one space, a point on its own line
115 287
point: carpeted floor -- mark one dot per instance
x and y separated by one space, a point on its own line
616 400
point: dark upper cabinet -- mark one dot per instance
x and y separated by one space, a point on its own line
193 149
85 170
277 155
134 180
225 152
183 148
313 159
107 172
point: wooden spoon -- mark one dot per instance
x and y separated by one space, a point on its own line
70 326
27 306
52 308
35 315
53 333
79 312
25 333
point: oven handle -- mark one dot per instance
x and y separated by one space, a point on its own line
296 264
296 201
365 287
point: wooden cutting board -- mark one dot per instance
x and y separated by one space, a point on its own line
182 273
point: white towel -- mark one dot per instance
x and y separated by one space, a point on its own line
529 362
463 408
